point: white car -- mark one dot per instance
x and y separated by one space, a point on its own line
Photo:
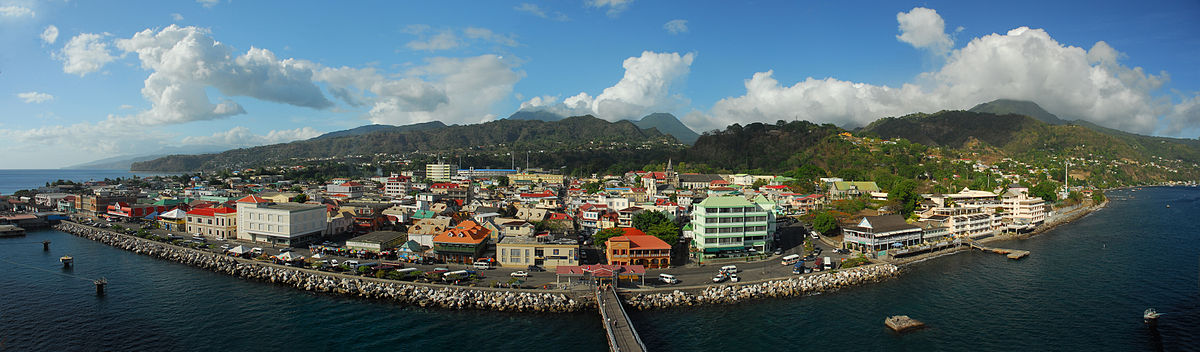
521 274
733 278
719 278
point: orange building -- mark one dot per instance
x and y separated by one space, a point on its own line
463 243
637 248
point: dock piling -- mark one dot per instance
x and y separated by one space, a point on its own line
45 246
100 283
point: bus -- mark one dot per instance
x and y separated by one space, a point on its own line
790 259
455 275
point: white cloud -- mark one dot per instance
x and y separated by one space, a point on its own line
447 39
1024 64
615 7
924 29
676 26
50 34
645 88
488 35
208 3
443 40
84 54
16 11
35 97
176 17
539 12
242 137
185 60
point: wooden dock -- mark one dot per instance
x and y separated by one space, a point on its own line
1011 253
621 335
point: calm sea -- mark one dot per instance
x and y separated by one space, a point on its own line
1083 288
15 180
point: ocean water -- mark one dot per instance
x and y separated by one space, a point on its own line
15 180
1083 288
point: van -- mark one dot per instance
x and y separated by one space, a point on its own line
817 265
791 259
482 265
828 263
668 279
729 269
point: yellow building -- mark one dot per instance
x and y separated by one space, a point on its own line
220 222
535 178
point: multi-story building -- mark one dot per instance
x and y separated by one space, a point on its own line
637 248
288 224
729 223
522 251
1022 211
440 172
133 210
396 185
350 189
219 222
876 233
97 204
482 173
535 178
463 243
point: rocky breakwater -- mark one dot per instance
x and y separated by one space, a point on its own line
309 280
790 287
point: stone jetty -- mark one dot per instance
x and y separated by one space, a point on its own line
440 296
790 287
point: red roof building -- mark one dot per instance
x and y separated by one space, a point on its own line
637 248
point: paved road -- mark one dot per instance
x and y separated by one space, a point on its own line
791 238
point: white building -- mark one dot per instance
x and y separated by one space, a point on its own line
1022 211
877 233
288 224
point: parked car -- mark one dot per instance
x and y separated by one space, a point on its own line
721 277
536 268
734 278
520 274
668 279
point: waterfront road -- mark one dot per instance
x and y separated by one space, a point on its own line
791 239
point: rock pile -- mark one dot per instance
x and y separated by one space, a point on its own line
308 280
791 287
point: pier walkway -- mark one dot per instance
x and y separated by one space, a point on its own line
1011 253
621 335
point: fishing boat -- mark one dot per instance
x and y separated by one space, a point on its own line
1150 316
66 261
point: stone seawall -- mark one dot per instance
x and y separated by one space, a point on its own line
440 296
790 287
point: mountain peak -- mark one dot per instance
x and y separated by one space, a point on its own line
1018 107
669 124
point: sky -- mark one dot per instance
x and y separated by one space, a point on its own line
86 80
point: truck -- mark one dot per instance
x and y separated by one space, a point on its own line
817 265
828 263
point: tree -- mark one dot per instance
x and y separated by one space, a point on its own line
503 181
667 232
591 187
647 219
905 197
1046 190
825 223
758 183
300 198
1098 196
600 238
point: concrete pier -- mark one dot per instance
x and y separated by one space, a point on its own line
902 323
1013 254
621 335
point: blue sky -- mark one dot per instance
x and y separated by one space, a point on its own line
84 80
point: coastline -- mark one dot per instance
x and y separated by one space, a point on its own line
416 294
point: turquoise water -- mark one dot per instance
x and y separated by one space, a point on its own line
1083 288
15 180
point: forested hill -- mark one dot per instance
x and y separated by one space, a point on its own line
1021 135
570 133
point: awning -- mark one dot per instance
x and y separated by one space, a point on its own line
239 250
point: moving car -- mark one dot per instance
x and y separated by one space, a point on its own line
721 277
520 274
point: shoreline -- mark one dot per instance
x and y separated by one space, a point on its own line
543 301
416 294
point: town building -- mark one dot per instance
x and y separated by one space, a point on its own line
729 223
350 189
877 233
440 172
1021 211
637 248
128 211
397 186
219 222
463 243
377 241
288 224
544 251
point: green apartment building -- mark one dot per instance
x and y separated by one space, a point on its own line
727 224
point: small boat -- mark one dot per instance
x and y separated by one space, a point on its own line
1150 316
66 261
